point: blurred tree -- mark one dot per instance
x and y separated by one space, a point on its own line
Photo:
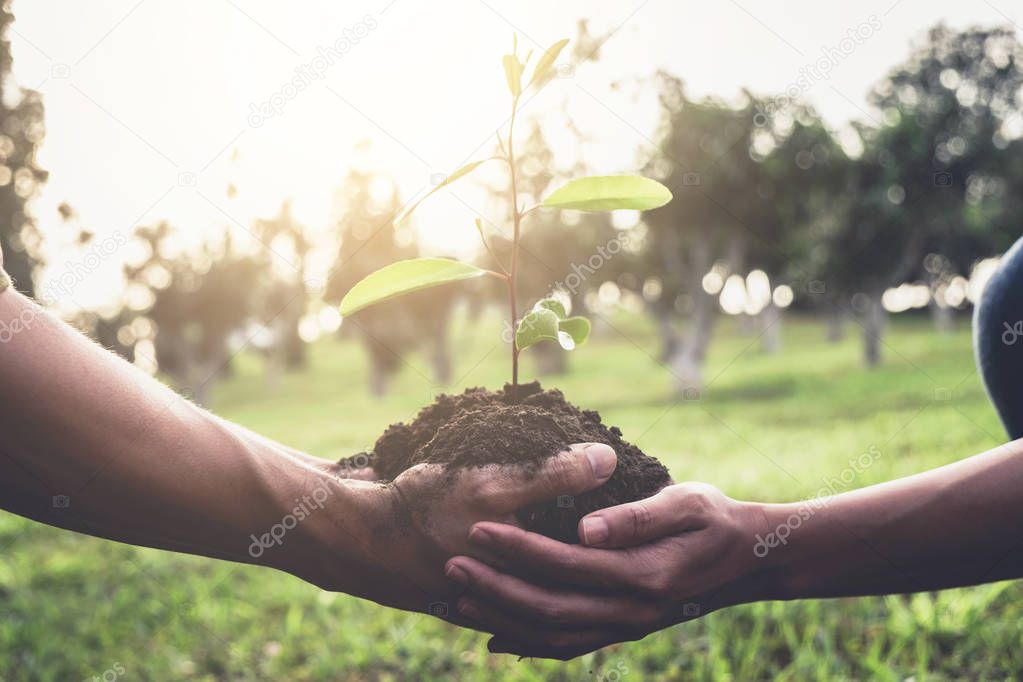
281 300
194 305
706 162
803 172
22 127
369 240
941 141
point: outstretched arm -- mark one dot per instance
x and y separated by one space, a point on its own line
90 443
690 550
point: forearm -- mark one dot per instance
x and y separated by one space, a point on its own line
953 526
137 463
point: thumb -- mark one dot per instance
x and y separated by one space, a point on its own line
627 525
583 467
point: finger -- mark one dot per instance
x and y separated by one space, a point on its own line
674 509
581 468
363 474
507 645
531 554
495 620
549 608
498 621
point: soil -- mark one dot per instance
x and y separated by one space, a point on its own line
516 426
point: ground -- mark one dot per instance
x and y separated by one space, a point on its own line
768 427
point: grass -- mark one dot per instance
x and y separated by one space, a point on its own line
768 427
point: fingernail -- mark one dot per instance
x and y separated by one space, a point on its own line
481 537
469 610
457 574
602 459
595 530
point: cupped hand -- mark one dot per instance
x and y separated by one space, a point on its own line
428 511
680 554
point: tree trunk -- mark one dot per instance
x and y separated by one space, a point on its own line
377 377
296 355
873 328
688 356
276 354
687 370
274 369
687 359
440 357
835 331
942 316
770 319
665 331
550 359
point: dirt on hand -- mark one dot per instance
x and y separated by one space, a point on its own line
524 426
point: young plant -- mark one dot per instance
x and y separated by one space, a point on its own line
547 320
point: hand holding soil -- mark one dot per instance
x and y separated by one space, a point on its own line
432 510
644 566
479 431
412 525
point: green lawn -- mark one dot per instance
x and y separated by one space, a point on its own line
771 428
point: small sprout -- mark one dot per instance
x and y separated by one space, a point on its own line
537 325
577 327
548 320
552 304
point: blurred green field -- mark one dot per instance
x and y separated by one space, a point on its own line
772 428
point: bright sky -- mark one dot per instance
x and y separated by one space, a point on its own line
148 101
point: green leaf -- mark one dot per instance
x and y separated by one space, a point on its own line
609 193
546 62
464 170
552 304
543 324
403 277
576 327
513 74
537 325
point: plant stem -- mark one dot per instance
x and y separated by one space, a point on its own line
517 219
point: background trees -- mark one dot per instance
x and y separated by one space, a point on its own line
773 209
22 128
367 205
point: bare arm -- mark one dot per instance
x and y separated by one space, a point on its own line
135 462
690 550
956 525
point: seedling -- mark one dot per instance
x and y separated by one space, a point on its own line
547 320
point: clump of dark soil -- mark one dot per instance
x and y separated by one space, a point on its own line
524 426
